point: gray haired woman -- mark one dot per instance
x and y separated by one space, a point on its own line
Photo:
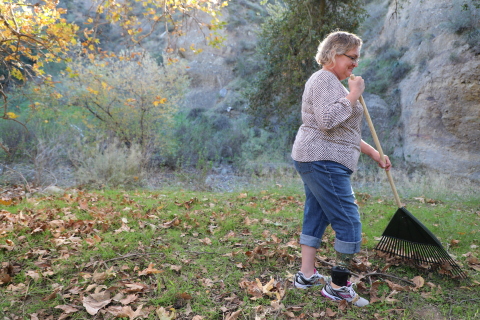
325 154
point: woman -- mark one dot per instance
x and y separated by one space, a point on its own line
325 154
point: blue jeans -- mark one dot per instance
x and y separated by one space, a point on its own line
329 200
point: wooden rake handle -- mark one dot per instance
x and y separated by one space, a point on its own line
379 149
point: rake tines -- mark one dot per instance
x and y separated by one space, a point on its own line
409 239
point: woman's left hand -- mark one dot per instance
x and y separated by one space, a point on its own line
384 165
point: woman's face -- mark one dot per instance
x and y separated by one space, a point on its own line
345 63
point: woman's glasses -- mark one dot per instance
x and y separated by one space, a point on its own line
354 60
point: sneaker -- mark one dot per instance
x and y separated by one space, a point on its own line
302 282
344 293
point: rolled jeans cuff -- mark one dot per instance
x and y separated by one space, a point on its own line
347 247
310 241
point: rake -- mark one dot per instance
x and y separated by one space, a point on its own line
408 238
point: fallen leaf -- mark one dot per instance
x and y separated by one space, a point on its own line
149 270
5 278
66 308
330 313
52 295
472 260
164 314
124 227
206 241
207 282
135 287
188 309
395 286
185 296
99 277
94 302
6 202
276 239
454 242
418 281
34 316
83 204
129 299
266 288
277 305
342 305
175 268
127 311
33 274
233 315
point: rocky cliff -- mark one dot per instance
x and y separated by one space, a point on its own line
422 70
437 118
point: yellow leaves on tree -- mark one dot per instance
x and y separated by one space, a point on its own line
130 96
154 14
34 33
29 32
11 115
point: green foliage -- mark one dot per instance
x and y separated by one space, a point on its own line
287 44
109 165
134 99
129 97
230 140
464 20
203 135
15 138
384 70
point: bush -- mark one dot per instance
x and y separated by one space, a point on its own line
206 137
130 97
464 21
16 138
110 165
385 70
207 134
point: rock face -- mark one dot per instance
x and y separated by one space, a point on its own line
439 99
431 116
215 72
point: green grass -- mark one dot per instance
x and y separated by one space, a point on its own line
180 254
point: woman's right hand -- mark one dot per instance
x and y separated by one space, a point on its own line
356 86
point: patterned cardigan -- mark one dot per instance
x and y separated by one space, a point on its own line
331 128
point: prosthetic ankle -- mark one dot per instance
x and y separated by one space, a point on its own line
340 276
340 273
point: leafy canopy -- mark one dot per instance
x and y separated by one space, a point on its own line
133 98
35 33
288 42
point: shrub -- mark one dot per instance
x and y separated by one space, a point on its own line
208 134
385 70
130 97
110 165
464 21
16 138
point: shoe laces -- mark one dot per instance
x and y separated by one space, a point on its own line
354 296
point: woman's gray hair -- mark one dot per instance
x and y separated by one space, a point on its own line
338 42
